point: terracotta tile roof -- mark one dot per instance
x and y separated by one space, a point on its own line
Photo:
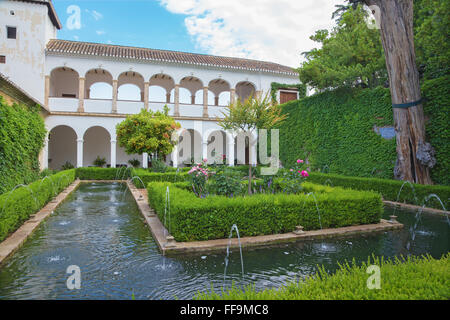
115 51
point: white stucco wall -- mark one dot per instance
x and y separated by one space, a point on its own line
25 55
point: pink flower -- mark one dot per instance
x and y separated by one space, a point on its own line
205 160
299 161
305 173
292 170
299 171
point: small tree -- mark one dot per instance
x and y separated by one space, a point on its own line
249 115
147 132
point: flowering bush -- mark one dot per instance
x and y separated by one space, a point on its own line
199 176
294 177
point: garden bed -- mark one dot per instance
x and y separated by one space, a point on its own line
196 219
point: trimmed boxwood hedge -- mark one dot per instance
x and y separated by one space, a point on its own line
171 176
414 278
192 218
92 173
16 206
389 189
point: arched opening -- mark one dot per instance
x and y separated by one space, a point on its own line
157 94
189 147
217 147
97 143
193 85
62 147
164 81
64 83
131 86
221 92
245 89
99 84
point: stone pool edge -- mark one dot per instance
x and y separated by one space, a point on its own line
13 242
415 208
160 233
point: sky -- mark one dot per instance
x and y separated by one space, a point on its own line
268 30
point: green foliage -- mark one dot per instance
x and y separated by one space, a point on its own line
335 129
67 166
135 163
16 206
22 133
411 278
193 218
389 189
147 132
431 34
225 182
172 176
101 173
275 86
158 166
351 54
99 162
437 108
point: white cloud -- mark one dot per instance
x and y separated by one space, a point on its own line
276 31
95 14
100 32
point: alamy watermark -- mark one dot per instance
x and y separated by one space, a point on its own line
74 280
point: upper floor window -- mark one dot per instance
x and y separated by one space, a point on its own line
11 32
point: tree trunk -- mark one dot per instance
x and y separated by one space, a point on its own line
396 22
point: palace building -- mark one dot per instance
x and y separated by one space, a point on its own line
86 89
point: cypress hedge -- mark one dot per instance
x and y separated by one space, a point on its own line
18 205
193 218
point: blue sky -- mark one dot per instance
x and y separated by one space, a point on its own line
142 23
270 30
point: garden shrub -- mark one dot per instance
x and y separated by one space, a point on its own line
389 189
16 206
411 278
170 176
22 133
193 218
93 173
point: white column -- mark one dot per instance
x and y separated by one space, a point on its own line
174 156
79 153
113 153
145 160
45 154
205 150
230 153
252 152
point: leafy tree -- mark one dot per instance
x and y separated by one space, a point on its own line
251 114
351 54
147 132
431 34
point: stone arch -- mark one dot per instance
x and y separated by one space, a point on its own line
130 86
245 89
64 83
96 142
62 146
99 84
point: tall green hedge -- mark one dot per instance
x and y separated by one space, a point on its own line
436 93
17 205
22 133
335 129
